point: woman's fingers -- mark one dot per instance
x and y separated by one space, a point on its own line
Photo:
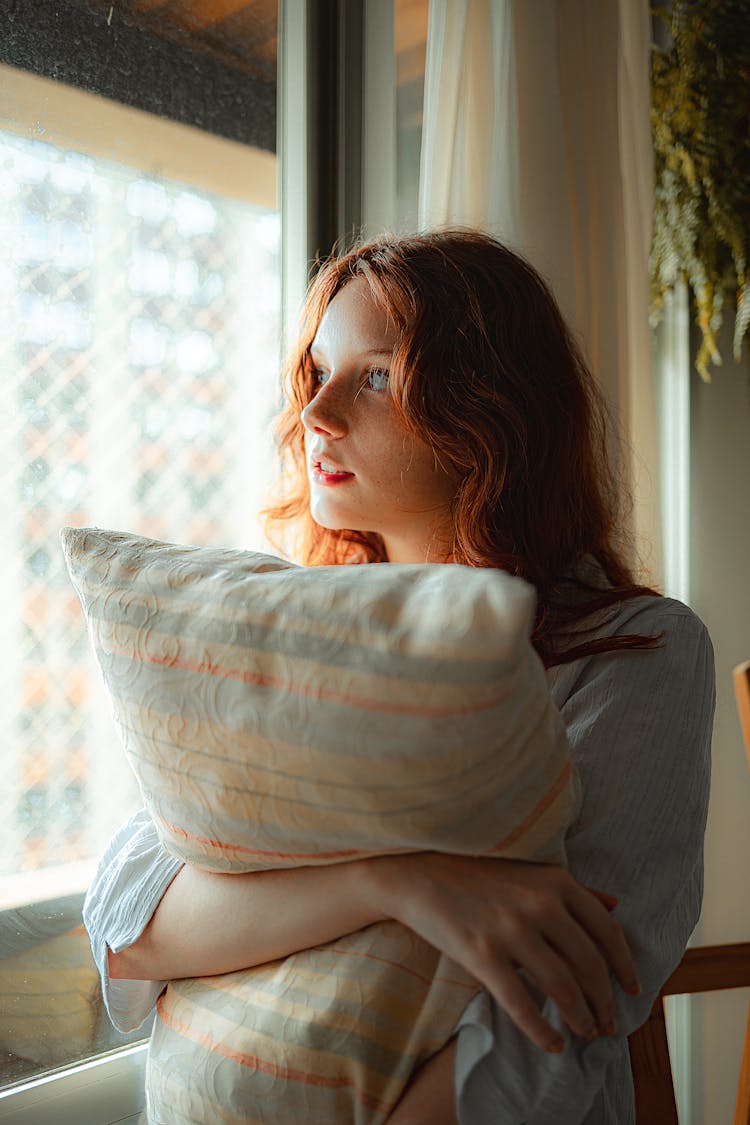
495 917
512 995
610 901
576 977
549 944
565 966
590 942
608 936
554 976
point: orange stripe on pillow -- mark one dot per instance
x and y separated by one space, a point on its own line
537 812
263 1065
401 968
260 679
221 846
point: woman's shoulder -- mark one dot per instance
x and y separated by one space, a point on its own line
646 613
651 614
679 663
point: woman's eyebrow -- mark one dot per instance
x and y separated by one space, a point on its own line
367 353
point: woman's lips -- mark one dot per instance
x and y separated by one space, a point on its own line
324 473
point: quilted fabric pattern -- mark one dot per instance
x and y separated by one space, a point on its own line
281 716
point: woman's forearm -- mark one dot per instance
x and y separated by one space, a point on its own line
210 923
491 916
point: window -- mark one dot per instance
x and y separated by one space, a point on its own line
140 284
410 48
141 288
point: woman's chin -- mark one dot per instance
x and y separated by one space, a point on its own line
330 520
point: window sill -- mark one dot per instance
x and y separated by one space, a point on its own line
103 1091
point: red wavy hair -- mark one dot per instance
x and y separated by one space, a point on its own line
486 372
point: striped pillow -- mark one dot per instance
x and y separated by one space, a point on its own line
280 716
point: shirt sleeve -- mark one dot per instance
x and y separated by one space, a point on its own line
639 724
130 880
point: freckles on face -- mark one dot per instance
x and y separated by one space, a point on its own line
367 471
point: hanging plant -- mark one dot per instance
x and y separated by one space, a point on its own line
700 116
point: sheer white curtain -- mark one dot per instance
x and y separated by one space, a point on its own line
536 127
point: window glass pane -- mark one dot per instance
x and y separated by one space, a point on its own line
410 45
140 371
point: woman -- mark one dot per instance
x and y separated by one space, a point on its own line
439 410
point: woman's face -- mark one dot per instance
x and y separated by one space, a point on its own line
366 471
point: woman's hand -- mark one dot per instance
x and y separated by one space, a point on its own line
494 916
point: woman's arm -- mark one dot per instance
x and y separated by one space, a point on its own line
491 916
151 920
209 923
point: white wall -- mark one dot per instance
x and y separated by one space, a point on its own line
720 594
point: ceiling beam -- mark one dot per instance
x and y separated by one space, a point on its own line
201 14
132 64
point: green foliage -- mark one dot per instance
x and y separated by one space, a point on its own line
700 116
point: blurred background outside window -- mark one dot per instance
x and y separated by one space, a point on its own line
139 352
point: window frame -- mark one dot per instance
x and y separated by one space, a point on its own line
108 1088
40 108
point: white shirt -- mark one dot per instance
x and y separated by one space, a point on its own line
639 725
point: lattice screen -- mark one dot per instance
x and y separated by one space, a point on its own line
139 336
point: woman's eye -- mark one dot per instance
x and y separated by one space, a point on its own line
377 378
320 377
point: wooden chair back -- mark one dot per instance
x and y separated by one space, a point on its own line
704 969
741 676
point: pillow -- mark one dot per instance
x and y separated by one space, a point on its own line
280 716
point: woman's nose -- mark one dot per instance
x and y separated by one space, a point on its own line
327 412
